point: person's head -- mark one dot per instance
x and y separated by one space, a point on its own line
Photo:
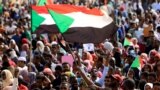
64 86
74 83
115 80
131 74
58 70
118 71
128 84
110 71
152 54
152 77
147 68
148 86
6 75
39 80
21 62
158 29
66 66
144 76
108 81
94 74
47 49
47 72
156 86
141 84
5 58
37 58
64 78
54 47
135 41
47 56
99 62
144 56
12 43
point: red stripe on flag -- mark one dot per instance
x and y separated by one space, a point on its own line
64 9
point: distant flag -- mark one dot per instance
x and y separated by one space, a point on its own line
127 42
137 63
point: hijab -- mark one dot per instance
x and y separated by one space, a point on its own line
9 78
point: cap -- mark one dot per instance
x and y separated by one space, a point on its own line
53 43
22 59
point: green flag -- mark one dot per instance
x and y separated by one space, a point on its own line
136 63
127 42
42 2
1 9
36 20
63 22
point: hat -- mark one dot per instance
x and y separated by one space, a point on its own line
22 59
108 46
53 43
149 84
117 77
25 41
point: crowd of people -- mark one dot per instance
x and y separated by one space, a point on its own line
33 62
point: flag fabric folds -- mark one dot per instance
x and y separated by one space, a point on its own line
79 24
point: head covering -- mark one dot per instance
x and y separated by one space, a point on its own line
48 71
22 59
149 84
152 52
25 41
108 46
25 47
9 78
117 77
54 43
41 46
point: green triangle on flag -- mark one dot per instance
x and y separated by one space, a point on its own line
136 63
36 20
63 22
126 42
42 2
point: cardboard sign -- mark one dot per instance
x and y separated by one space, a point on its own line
88 47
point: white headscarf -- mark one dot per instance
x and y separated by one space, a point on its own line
149 84
41 46
9 78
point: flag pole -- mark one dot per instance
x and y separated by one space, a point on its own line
64 39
